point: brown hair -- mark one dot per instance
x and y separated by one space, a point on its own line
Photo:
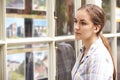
98 18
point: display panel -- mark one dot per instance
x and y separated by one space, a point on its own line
39 28
39 5
15 27
41 58
15 4
41 64
16 66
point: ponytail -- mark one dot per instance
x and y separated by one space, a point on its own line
105 42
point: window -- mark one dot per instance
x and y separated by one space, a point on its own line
107 8
28 62
118 60
35 30
64 15
118 42
65 59
27 19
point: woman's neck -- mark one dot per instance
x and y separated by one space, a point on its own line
88 42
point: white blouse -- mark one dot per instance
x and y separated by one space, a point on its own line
95 65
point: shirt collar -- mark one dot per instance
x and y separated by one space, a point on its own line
93 47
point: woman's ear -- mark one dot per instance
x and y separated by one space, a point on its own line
97 28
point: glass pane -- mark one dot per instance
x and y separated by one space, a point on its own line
41 61
26 18
16 66
28 62
110 41
106 5
118 27
118 3
65 59
64 13
118 23
118 58
83 2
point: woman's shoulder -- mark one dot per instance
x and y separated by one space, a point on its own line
101 54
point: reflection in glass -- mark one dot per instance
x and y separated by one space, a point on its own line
65 59
22 15
106 6
118 58
28 62
64 13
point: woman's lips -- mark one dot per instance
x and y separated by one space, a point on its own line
77 33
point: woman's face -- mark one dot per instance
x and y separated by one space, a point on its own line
83 26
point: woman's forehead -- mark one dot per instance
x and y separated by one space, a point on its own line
82 15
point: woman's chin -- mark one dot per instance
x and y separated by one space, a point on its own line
77 38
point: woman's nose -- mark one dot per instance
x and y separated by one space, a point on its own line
76 26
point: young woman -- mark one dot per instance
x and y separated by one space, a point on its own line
95 60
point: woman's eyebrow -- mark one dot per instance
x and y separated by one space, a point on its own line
82 20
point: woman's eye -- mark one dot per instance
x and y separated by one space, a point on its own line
83 23
75 20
